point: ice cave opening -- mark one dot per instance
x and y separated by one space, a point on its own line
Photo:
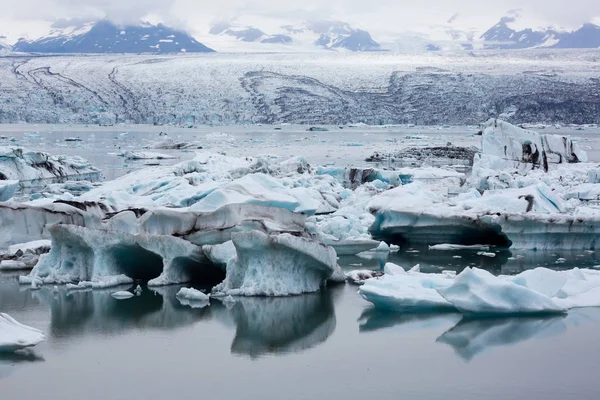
199 271
143 265
136 262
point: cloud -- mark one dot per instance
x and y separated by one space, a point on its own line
387 15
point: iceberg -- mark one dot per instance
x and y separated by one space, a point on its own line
15 336
410 292
478 292
23 255
146 155
526 191
192 298
106 258
276 265
31 167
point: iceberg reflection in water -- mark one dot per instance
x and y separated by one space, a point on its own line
472 337
8 361
263 325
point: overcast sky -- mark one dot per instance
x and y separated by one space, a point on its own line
25 16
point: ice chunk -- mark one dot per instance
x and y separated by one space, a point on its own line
20 164
477 292
193 298
408 292
278 265
146 155
451 247
104 257
359 276
15 336
122 295
508 142
12 265
169 144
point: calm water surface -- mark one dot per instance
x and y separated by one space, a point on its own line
307 347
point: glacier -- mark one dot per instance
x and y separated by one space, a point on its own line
430 89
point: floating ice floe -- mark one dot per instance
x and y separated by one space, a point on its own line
476 292
170 144
15 336
193 298
24 255
26 166
122 295
146 155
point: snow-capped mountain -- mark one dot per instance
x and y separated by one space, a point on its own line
515 30
503 36
323 34
247 33
340 35
106 37
4 46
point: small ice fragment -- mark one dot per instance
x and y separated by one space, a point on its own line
486 254
416 268
450 247
138 290
122 295
192 294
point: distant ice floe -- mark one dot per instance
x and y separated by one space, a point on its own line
476 292
15 336
32 168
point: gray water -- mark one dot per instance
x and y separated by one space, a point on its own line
319 345
340 146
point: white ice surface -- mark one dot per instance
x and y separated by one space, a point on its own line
15 336
476 292
280 265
